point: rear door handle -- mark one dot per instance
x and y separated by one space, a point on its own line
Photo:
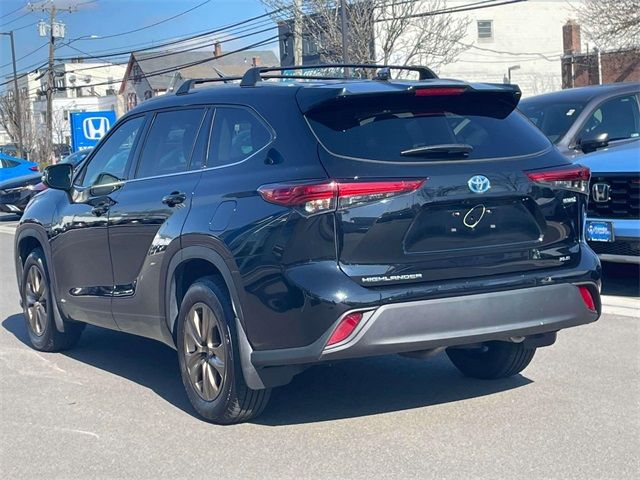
174 198
100 209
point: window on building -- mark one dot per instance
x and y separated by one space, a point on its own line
169 143
237 134
485 29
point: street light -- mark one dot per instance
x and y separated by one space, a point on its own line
510 69
17 91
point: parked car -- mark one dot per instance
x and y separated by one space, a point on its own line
613 217
9 149
12 167
582 120
16 193
264 227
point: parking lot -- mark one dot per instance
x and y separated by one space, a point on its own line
114 407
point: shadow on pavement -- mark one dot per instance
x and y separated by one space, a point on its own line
347 389
620 279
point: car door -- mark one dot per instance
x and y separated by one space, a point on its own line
79 244
149 211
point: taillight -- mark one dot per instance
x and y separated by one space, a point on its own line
587 298
345 328
573 178
327 196
34 168
439 91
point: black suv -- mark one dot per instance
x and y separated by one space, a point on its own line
265 226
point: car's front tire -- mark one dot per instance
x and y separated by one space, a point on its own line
209 357
492 360
37 303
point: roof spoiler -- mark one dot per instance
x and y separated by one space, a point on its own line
255 75
507 95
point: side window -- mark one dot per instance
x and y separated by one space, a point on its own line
168 146
111 159
237 133
619 117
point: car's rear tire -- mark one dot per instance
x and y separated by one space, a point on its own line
209 359
493 360
37 304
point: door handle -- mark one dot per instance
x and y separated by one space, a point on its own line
100 209
174 198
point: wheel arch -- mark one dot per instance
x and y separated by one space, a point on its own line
206 260
27 239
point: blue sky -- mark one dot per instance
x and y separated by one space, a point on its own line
109 17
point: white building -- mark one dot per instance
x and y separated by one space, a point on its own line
81 87
523 36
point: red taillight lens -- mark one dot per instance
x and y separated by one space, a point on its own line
574 178
345 328
587 298
439 91
34 168
326 196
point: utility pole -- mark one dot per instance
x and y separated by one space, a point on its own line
297 32
19 117
52 30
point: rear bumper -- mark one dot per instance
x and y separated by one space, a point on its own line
443 322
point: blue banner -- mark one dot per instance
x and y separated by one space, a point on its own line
87 128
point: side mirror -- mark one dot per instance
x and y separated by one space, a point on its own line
58 177
593 143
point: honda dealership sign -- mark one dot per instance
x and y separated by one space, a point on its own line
87 128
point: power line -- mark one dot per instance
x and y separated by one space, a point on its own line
461 8
14 20
165 71
192 37
12 12
156 23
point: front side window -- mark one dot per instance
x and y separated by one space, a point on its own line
169 144
110 161
618 117
237 134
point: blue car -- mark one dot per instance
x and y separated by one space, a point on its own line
613 216
12 167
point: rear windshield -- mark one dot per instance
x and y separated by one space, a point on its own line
383 133
553 118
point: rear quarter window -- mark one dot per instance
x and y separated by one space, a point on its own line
383 133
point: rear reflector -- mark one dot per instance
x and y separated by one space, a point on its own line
345 328
573 178
587 298
439 91
327 196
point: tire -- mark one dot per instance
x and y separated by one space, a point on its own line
209 359
37 302
495 360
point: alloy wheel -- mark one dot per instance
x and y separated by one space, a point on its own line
204 351
36 300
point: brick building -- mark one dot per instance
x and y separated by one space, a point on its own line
593 68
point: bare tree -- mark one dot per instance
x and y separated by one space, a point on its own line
405 32
12 123
612 24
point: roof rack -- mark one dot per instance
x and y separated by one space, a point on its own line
254 75
189 84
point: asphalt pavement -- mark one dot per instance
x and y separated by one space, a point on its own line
114 407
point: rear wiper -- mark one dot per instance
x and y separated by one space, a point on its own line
461 149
